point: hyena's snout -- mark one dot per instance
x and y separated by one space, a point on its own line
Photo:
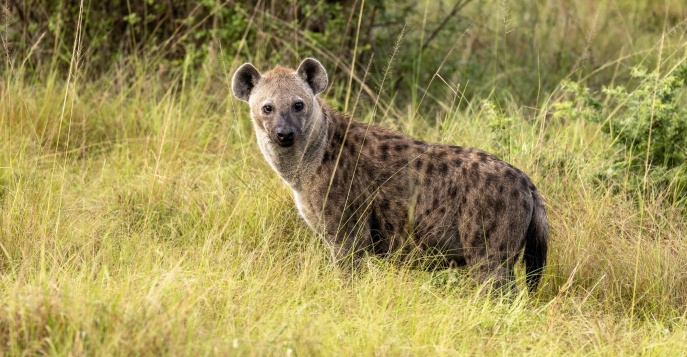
285 132
285 135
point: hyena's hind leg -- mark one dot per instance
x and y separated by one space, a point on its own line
494 268
499 241
497 275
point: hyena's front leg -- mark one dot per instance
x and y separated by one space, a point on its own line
348 242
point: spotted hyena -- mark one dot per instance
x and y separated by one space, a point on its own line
370 189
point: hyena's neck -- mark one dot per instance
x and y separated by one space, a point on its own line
338 136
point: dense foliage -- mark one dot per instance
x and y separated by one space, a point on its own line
517 49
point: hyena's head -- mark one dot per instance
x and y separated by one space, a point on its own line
283 104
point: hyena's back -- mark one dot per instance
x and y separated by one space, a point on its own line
392 193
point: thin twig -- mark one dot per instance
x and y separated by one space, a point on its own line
459 6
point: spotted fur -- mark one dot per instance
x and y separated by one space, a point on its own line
370 189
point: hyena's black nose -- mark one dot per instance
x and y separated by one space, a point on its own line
285 135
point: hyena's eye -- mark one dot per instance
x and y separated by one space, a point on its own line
298 106
267 109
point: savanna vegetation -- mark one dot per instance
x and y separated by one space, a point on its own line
138 217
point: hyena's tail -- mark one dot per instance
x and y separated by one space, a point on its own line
536 243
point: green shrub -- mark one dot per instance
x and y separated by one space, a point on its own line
648 123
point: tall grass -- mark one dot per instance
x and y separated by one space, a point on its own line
137 217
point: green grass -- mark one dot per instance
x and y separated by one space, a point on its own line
137 217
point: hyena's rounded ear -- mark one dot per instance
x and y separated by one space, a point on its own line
244 80
313 73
